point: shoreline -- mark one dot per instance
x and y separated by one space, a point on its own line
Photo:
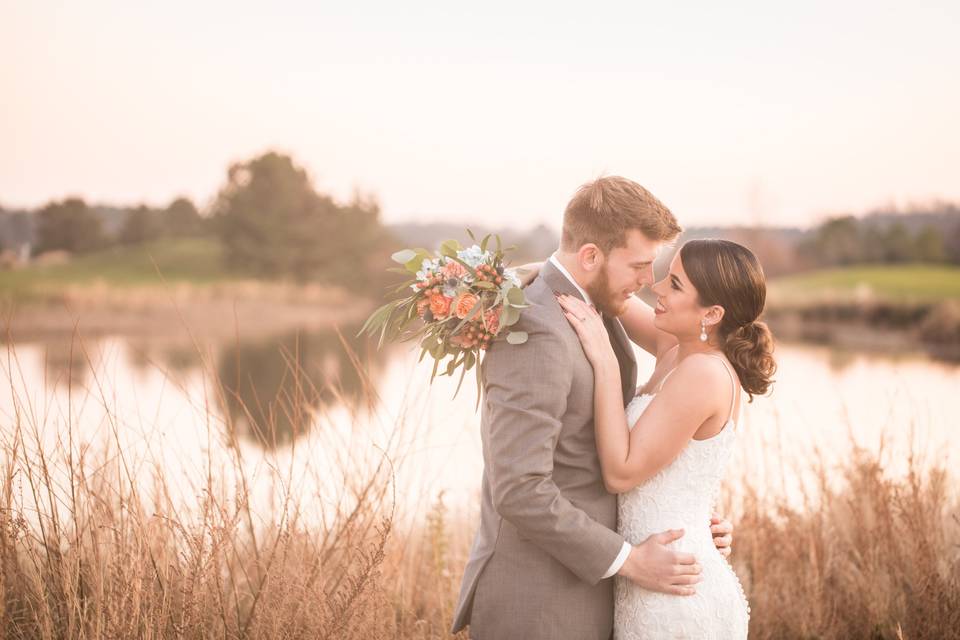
885 326
182 311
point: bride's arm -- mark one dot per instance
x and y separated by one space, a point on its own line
637 321
627 457
666 426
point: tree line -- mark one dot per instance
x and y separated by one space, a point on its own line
270 221
929 234
268 218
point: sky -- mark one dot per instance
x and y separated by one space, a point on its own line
731 113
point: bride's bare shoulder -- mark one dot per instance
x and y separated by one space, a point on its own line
703 372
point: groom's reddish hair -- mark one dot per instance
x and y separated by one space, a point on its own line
602 211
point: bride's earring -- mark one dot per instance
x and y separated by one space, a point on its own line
703 330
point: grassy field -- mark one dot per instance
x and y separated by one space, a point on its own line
914 284
193 260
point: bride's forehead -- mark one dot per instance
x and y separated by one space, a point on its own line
676 265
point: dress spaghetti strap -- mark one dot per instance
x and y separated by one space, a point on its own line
733 382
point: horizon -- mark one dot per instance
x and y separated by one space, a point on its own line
751 116
905 209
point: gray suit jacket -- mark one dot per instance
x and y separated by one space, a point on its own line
547 524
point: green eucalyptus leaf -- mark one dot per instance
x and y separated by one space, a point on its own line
515 296
449 248
517 337
404 256
509 317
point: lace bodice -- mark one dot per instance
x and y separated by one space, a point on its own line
684 491
681 496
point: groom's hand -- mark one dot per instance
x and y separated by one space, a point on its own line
722 531
653 566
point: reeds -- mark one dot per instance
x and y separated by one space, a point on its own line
870 557
88 550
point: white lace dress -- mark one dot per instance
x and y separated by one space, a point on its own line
681 496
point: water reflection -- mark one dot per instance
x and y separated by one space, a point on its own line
273 387
825 400
180 358
66 361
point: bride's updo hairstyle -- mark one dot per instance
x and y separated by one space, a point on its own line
729 275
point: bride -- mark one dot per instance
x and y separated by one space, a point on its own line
665 453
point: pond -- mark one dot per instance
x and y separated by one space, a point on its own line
316 409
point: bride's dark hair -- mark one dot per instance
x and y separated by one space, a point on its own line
729 275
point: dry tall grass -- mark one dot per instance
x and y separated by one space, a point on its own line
86 552
875 557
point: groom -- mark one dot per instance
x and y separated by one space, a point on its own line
547 546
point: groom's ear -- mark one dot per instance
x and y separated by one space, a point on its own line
590 257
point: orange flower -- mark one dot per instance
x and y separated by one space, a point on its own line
440 306
465 303
492 319
454 270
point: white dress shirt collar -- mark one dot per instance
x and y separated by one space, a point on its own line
566 274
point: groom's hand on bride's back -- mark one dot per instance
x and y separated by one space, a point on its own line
722 531
654 566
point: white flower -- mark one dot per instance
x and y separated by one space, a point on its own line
473 256
427 267
510 278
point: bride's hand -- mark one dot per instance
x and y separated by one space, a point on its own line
589 327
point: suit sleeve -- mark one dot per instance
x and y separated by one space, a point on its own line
526 388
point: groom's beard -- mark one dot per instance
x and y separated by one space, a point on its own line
607 302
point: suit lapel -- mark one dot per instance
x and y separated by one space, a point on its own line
557 281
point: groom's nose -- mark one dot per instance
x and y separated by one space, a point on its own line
646 276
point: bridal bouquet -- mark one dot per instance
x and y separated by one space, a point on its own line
459 301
